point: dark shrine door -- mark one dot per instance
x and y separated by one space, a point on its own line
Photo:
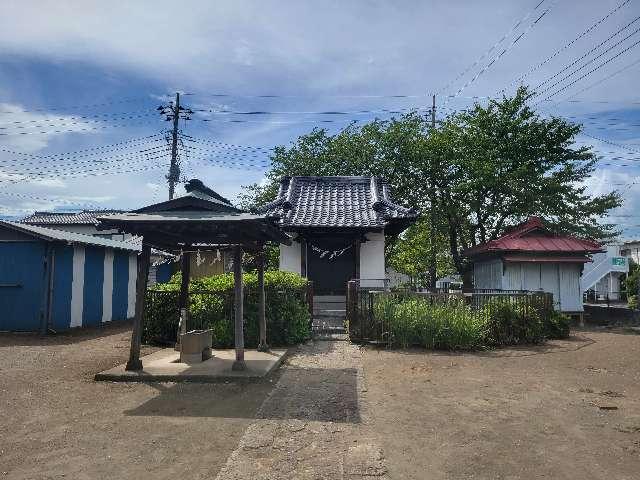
330 273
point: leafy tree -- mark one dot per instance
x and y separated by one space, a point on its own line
409 254
502 163
483 170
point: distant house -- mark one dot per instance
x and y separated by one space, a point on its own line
86 223
79 222
602 278
339 226
631 250
531 257
55 280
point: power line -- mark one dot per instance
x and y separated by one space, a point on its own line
586 64
73 130
501 54
90 161
213 142
84 122
101 147
623 69
592 70
492 48
567 67
41 109
321 112
47 118
567 45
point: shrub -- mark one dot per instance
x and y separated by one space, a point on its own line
286 309
416 321
451 324
632 301
511 323
556 325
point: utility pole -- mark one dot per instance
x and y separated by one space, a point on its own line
173 112
433 259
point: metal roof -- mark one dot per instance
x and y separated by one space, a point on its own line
338 201
170 229
532 236
86 217
53 235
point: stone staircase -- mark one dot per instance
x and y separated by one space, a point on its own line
329 314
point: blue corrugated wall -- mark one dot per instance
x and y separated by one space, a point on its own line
21 285
120 285
163 272
62 275
93 280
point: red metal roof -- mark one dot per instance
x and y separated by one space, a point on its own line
546 259
532 236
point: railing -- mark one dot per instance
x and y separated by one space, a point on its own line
368 317
604 297
214 309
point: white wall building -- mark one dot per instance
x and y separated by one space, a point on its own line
530 257
601 278
339 226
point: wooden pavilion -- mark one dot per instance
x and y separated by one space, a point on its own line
200 219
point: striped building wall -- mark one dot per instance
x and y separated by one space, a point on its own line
91 285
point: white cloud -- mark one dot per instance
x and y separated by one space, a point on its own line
20 129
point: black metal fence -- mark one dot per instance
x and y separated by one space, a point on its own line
216 310
368 311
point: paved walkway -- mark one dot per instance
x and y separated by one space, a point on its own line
314 424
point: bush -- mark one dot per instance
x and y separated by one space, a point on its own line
409 320
632 302
556 325
511 323
416 321
287 313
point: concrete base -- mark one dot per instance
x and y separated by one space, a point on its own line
164 366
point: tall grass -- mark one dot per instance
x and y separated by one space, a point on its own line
454 325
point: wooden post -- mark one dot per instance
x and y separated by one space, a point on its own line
134 362
262 319
183 300
239 333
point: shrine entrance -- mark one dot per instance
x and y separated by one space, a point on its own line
331 263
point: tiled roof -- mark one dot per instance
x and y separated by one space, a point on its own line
199 197
363 202
86 217
51 234
533 237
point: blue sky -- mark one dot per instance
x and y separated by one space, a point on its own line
82 76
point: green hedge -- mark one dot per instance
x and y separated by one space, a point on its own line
454 325
211 306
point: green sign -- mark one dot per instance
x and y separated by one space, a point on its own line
621 261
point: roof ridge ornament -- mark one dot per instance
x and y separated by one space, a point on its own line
376 204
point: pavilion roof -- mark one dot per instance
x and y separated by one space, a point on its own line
175 229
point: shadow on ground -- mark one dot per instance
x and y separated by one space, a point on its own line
320 394
574 343
66 337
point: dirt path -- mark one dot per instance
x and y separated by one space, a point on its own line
570 409
314 425
58 423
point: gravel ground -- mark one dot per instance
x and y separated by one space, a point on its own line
568 409
59 423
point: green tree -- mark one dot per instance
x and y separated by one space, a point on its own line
409 253
484 169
